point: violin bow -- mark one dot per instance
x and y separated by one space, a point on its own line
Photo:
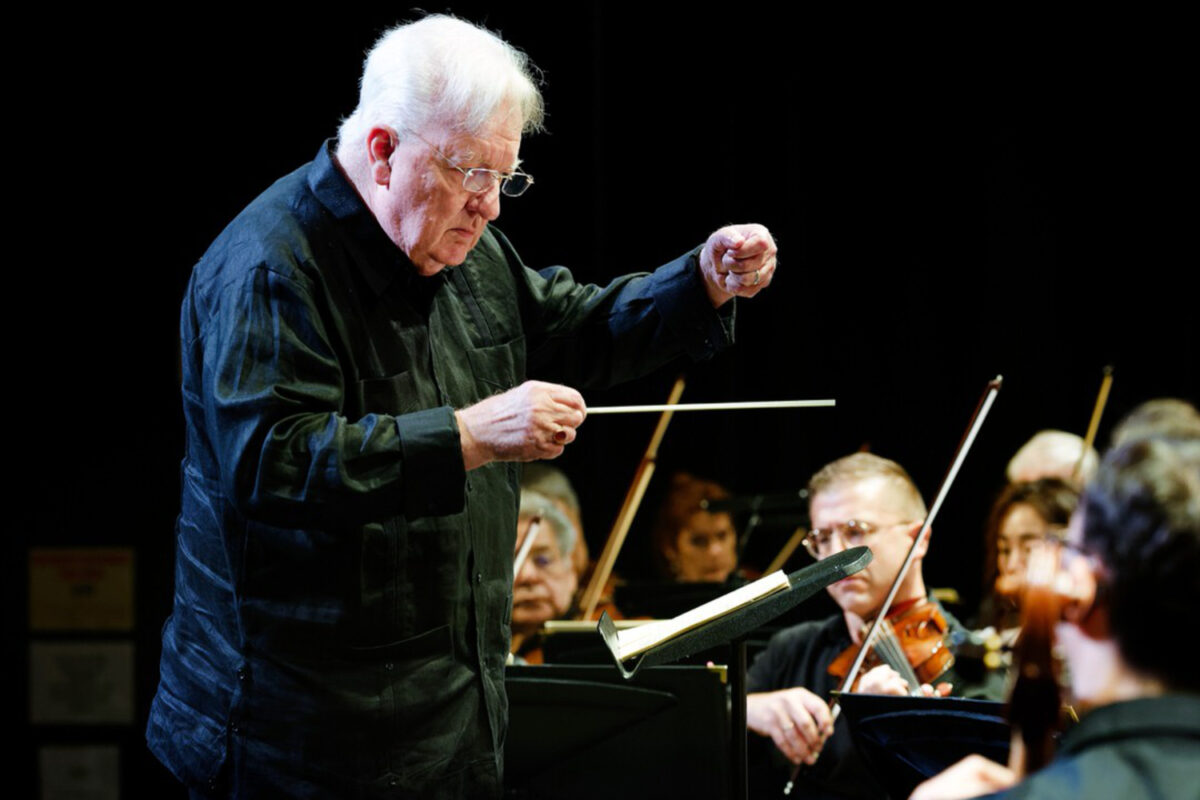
964 446
526 546
1094 425
977 419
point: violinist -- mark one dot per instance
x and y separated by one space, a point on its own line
1131 563
545 582
692 545
554 484
1024 515
860 499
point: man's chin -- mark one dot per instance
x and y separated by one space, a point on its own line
433 263
532 613
852 601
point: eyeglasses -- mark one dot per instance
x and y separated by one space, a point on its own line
851 533
547 562
482 179
1005 551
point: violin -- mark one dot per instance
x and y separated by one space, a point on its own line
1049 594
913 640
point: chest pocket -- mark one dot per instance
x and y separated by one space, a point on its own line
499 367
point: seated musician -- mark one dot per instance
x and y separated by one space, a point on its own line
692 545
1163 416
1023 516
861 499
1133 555
553 483
545 582
1053 454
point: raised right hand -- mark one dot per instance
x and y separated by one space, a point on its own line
532 421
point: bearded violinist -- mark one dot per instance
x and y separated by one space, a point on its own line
860 499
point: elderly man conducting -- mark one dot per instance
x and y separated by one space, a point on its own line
354 384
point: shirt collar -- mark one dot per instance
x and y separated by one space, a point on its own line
1145 717
380 261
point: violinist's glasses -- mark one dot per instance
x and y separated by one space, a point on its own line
1006 552
481 179
851 533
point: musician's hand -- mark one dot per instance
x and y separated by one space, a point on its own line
882 680
971 777
534 420
797 721
943 689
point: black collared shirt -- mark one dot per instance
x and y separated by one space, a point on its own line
343 586
1144 749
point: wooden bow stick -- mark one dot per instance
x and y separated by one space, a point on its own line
1094 424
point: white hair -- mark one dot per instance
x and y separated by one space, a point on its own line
444 70
535 504
1053 454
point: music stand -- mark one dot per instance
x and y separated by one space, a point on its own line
733 628
906 740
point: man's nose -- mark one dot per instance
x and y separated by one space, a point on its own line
526 575
486 203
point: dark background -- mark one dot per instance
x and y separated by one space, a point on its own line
953 199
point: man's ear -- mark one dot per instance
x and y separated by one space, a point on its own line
1081 605
381 143
915 531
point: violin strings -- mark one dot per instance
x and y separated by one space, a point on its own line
889 649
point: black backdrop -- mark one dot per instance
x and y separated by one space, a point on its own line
953 198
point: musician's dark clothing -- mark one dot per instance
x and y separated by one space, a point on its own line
343 585
1145 749
800 656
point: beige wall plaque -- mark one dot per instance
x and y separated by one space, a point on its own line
81 683
81 588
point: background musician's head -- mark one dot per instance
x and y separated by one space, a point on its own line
552 482
1025 514
545 584
692 545
1053 454
1163 417
868 500
1135 547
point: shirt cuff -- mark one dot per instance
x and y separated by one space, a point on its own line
434 475
683 302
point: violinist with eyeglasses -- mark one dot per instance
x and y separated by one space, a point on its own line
861 499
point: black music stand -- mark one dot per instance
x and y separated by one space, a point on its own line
582 732
733 628
906 740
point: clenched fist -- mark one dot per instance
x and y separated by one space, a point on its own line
533 421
